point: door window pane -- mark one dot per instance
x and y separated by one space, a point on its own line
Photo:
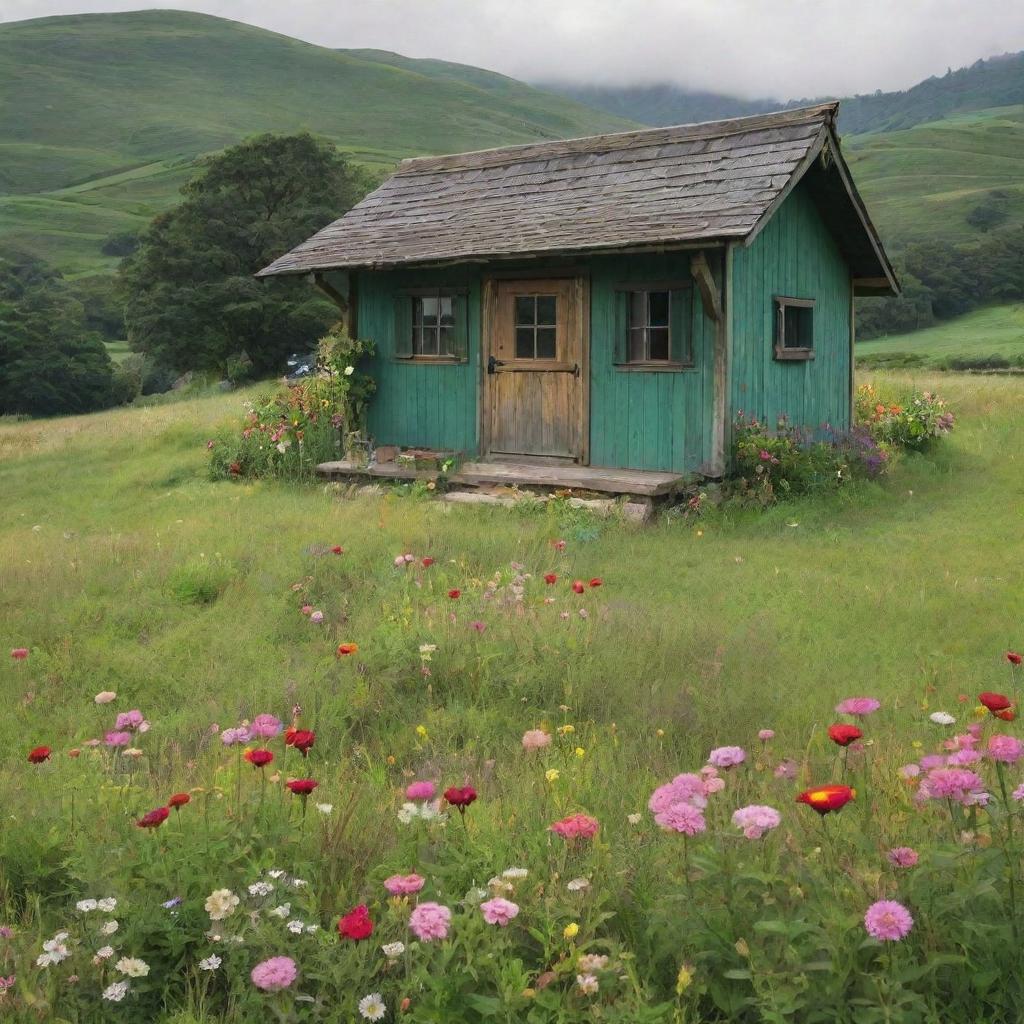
526 311
546 305
524 343
657 309
545 342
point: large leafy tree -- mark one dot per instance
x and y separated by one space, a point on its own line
192 300
50 362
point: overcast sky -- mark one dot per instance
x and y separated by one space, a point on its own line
779 48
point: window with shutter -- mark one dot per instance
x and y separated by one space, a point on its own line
653 327
432 325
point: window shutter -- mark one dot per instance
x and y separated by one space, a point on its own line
681 326
460 308
620 328
403 326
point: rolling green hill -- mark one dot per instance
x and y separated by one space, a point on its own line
102 116
923 183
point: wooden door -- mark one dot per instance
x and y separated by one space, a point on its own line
535 368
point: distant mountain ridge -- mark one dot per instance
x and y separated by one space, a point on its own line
985 84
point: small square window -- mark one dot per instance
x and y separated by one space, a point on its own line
794 328
536 326
658 328
433 325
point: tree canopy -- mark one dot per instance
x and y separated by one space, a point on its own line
49 361
192 300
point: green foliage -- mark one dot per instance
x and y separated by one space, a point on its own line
912 420
50 362
102 303
193 302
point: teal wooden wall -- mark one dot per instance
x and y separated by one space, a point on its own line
639 419
794 255
419 404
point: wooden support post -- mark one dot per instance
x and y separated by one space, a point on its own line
709 295
715 310
347 304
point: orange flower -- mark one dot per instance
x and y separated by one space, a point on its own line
827 798
344 649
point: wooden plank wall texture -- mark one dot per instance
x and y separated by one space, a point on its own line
796 256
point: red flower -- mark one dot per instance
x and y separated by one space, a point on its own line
1014 658
427 562
577 586
302 787
344 649
1007 714
258 758
300 739
154 819
337 550
596 581
37 755
235 469
827 798
995 702
550 577
558 545
843 735
356 924
455 594
19 653
178 800
460 796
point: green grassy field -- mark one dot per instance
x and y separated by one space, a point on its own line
921 183
102 116
993 331
127 570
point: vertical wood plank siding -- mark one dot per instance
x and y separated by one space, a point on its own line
641 420
419 404
794 255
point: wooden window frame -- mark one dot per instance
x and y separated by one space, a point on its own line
791 355
411 296
670 365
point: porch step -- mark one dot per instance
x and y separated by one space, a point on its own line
644 483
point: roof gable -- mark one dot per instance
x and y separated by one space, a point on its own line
655 188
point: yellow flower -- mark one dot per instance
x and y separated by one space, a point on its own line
421 731
684 979
391 758
565 730
917 744
981 711
570 931
659 733
551 774
580 752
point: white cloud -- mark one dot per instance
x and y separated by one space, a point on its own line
780 48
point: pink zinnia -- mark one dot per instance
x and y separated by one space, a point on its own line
727 757
859 706
576 826
499 911
964 757
958 784
1018 793
274 974
117 739
765 735
682 817
430 921
403 885
534 739
756 819
420 791
19 653
1007 749
888 921
685 788
786 769
229 737
902 856
910 771
129 719
265 726
316 617
477 625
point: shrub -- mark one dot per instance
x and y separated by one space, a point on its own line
913 421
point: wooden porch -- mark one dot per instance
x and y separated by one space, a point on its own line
641 483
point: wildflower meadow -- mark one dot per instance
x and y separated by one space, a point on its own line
294 754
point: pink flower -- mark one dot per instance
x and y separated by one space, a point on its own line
958 784
726 757
902 856
685 788
478 626
420 791
910 771
682 817
930 761
888 921
576 826
229 737
316 617
274 974
534 739
1018 793
1007 749
265 726
964 757
756 819
859 706
129 719
499 911
117 739
19 653
306 609
786 769
105 697
765 735
430 921
403 885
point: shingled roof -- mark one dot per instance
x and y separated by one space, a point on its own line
656 188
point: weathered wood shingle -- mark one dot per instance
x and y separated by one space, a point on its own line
661 186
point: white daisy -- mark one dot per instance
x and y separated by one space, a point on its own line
372 1007
116 992
108 905
210 963
133 967
86 905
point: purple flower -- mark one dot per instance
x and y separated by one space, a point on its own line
756 819
888 921
117 739
274 974
727 757
859 706
1007 749
229 737
265 726
902 856
420 791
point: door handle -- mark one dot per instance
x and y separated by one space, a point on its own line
492 363
576 370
